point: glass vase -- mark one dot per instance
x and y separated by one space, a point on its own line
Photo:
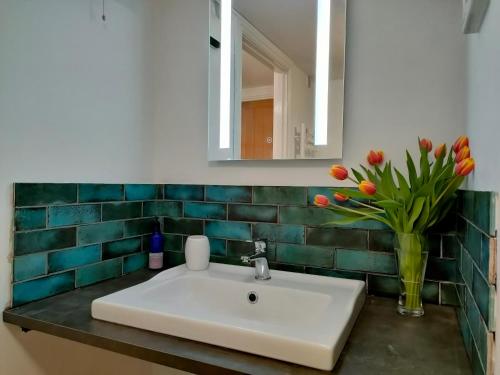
411 254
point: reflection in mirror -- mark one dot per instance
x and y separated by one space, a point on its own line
276 79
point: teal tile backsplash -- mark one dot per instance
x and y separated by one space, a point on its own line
73 235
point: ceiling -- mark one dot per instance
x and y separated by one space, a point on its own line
255 73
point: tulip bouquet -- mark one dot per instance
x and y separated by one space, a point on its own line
410 204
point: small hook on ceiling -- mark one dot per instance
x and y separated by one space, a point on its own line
103 11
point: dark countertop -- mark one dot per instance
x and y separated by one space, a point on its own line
381 342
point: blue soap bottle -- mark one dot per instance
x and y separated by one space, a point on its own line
156 247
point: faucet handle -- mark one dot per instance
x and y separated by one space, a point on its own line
245 259
260 246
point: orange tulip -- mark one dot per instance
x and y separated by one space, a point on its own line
440 151
375 157
367 187
339 197
462 154
425 144
465 167
461 142
339 172
321 201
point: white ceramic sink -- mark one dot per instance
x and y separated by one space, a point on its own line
304 319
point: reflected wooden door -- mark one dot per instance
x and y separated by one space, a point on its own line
257 129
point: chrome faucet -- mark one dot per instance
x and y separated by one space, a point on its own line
260 260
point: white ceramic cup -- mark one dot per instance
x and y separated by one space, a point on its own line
197 252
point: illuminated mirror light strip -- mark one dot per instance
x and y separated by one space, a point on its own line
225 75
322 73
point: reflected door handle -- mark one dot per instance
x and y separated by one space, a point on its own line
269 140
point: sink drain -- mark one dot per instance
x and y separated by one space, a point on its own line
252 297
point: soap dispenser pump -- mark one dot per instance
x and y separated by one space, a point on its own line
156 247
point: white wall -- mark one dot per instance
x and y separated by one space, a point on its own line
73 107
405 76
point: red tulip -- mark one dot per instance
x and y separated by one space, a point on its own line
339 172
461 142
465 167
375 157
367 187
440 151
321 201
339 197
462 154
425 145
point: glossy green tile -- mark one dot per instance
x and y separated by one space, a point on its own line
173 259
173 242
30 218
466 268
135 262
280 233
220 193
33 290
226 229
336 237
246 212
370 261
451 246
287 267
434 245
384 285
205 210
101 232
467 204
430 292
481 293
43 240
74 215
473 315
306 255
336 273
74 257
236 249
183 226
100 192
381 240
279 195
143 192
121 247
227 260
185 192
441 269
217 246
473 243
44 194
138 227
449 295
98 272
477 367
118 211
30 266
482 344
465 330
484 211
163 208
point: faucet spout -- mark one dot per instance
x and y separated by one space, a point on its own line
260 261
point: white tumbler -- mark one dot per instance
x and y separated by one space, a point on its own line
197 252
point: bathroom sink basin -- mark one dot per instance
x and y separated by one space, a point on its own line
304 319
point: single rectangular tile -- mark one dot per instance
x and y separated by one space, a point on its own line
466 267
101 232
34 290
279 195
247 212
98 272
217 246
121 247
173 259
35 194
74 215
336 237
466 203
75 257
237 194
481 293
449 295
119 211
185 192
381 240
451 246
143 192
482 344
336 273
280 233
465 330
231 230
43 240
163 208
183 226
173 242
135 262
306 255
484 211
369 261
477 367
441 269
138 227
100 192
287 267
205 210
473 243
30 266
30 218
473 315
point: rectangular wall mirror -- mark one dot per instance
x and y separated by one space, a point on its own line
276 79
